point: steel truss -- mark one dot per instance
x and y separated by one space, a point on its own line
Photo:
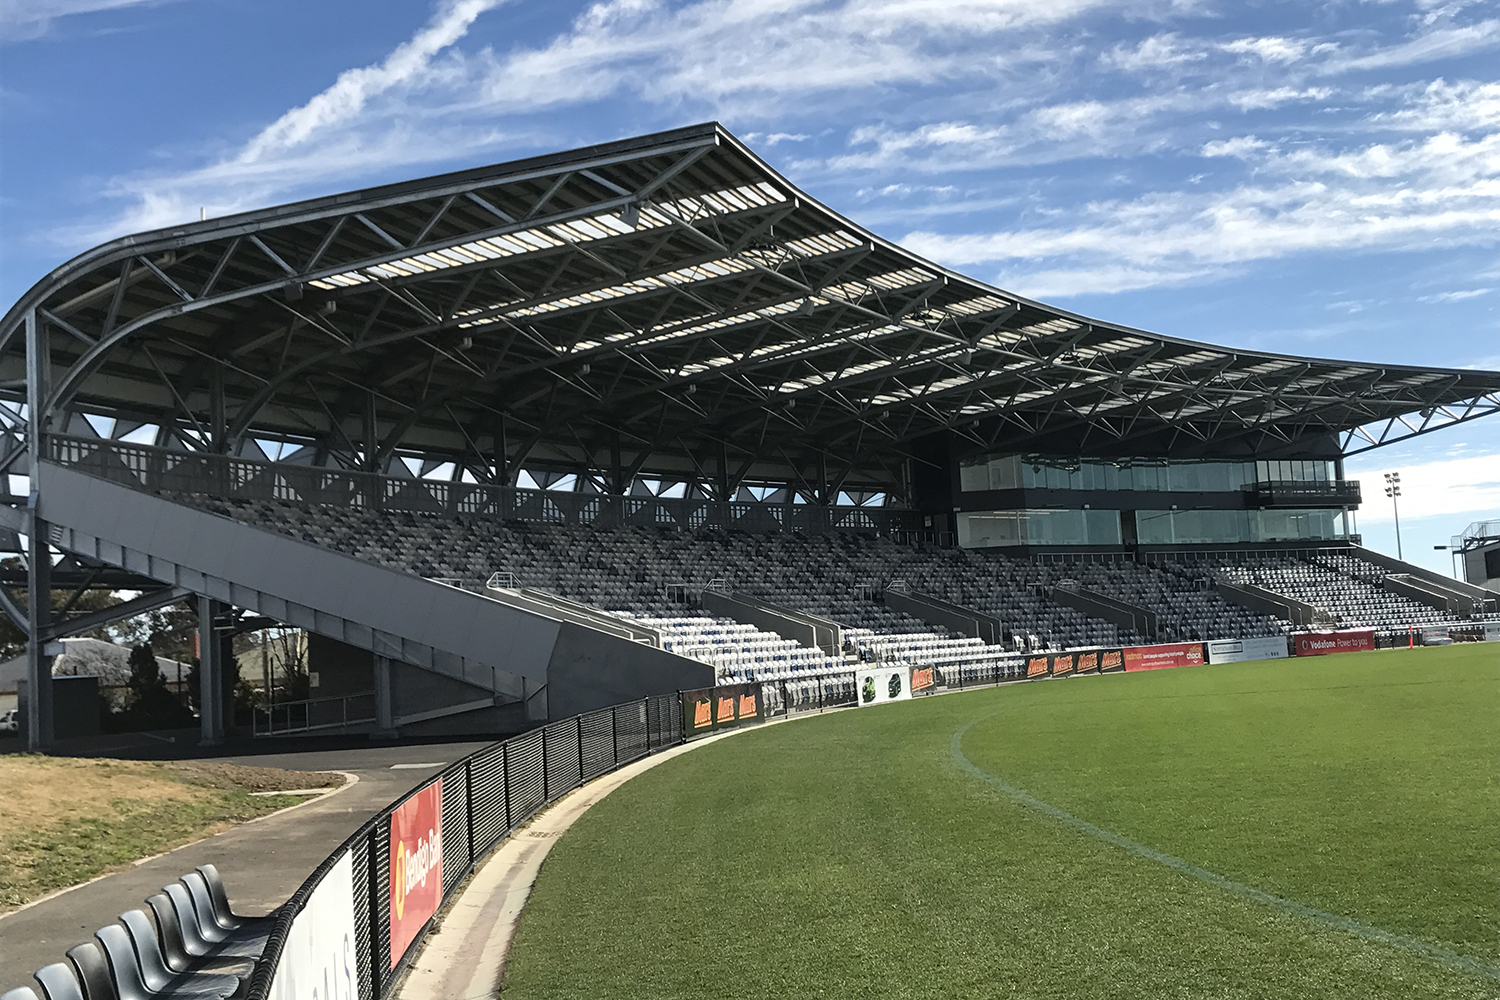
662 310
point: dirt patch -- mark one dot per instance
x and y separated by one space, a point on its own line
211 774
66 820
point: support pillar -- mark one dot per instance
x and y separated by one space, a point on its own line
38 554
39 715
385 716
211 705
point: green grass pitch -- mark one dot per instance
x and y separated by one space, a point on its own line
854 855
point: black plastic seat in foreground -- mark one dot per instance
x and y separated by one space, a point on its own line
211 930
154 971
174 946
58 982
223 915
192 933
93 972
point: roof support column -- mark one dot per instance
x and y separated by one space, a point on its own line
211 664
39 718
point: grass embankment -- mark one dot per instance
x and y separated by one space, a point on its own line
852 856
65 820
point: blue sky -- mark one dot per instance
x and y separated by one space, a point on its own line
1310 178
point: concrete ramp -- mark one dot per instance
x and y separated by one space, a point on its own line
507 650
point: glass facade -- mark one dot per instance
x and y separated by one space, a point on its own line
1010 472
983 529
1208 527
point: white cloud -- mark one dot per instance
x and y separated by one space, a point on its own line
1440 43
1457 296
25 19
1450 486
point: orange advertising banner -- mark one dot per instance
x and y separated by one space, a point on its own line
1087 662
1036 666
703 711
1062 664
1171 654
747 706
922 679
1112 659
416 869
724 709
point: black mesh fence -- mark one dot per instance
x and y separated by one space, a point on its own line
483 798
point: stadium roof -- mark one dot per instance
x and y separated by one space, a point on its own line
662 305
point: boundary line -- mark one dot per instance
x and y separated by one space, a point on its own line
1331 921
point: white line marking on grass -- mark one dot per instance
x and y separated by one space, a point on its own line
1332 921
417 767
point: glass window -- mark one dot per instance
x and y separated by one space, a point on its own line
973 477
1039 527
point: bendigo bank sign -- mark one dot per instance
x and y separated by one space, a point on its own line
416 871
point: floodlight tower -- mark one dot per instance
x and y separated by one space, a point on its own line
1393 490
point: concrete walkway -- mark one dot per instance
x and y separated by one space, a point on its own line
464 956
263 861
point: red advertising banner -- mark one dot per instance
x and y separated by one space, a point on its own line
1172 654
1321 643
416 871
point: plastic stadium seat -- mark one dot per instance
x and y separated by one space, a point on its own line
93 972
203 906
174 947
154 972
123 967
192 934
223 915
58 982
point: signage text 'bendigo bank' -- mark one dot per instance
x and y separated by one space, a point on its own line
416 872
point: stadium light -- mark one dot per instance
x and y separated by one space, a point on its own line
1393 490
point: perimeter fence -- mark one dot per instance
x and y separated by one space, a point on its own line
351 929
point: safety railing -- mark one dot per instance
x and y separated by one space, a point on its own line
354 925
164 469
308 715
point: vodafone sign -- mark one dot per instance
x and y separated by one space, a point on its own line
1320 643
416 872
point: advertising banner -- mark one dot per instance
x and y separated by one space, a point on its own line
698 710
1492 631
416 871
1111 660
1037 666
923 680
708 709
1062 664
1321 643
1087 662
1272 647
319 958
876 686
1171 654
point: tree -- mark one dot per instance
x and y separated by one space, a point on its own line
150 705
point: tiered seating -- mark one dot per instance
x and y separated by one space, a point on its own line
1185 609
651 572
1325 582
192 945
740 653
929 650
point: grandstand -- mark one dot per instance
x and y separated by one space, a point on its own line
498 437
